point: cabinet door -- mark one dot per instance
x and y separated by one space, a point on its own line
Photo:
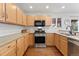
43 18
30 20
20 46
10 13
2 12
8 49
26 41
31 39
50 39
24 20
48 21
37 18
64 45
19 17
57 41
40 18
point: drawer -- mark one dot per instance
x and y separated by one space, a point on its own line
10 52
7 47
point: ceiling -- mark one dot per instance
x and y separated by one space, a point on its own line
53 7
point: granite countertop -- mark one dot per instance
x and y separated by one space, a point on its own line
8 38
76 38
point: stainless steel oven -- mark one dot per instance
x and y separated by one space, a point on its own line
40 38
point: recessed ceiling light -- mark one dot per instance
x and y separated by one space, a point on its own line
31 7
47 7
63 7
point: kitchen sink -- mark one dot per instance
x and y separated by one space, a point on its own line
67 34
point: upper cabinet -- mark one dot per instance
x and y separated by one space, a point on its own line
38 17
10 13
24 20
30 20
19 16
2 12
48 21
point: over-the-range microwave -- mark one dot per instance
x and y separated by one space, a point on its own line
39 23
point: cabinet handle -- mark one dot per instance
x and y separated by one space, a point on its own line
6 16
1 16
9 46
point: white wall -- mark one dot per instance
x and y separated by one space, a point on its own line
6 29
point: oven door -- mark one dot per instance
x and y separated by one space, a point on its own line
40 39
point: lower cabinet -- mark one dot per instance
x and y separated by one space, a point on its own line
62 44
20 46
26 41
8 49
31 39
17 47
50 39
57 41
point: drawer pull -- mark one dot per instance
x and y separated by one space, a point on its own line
8 46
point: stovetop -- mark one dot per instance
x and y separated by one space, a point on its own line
40 33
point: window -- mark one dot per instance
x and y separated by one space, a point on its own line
54 21
74 24
58 22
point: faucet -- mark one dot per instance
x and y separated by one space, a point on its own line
70 31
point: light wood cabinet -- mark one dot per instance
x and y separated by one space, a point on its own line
48 21
20 46
17 47
50 39
10 13
38 17
57 41
30 20
19 17
8 49
31 39
2 12
43 17
64 45
24 20
26 38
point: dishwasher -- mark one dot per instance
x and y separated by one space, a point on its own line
73 47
